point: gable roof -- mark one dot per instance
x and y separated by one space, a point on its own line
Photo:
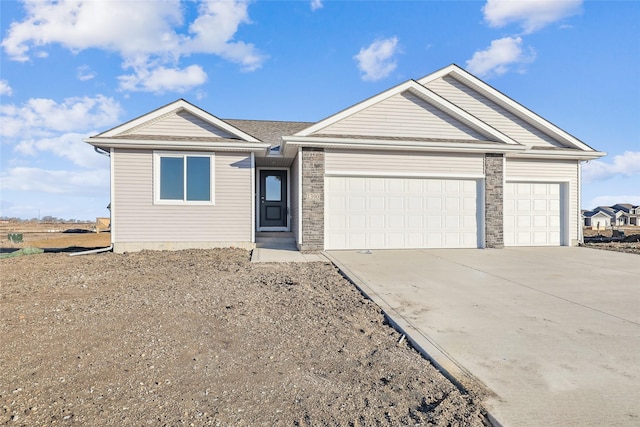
204 131
591 214
422 92
624 206
503 124
520 111
414 115
177 106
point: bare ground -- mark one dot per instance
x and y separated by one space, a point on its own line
206 338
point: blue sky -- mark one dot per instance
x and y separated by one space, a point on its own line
71 69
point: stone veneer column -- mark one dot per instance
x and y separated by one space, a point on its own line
312 200
494 200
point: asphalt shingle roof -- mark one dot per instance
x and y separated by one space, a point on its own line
268 131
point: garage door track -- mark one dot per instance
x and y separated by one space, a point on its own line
554 333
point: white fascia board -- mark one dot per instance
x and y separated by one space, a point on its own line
559 154
381 144
601 213
403 174
529 116
177 145
437 74
179 105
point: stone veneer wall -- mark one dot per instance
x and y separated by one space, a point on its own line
494 200
312 200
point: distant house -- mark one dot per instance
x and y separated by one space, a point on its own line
445 161
597 220
630 214
622 214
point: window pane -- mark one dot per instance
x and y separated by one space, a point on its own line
171 178
199 178
274 188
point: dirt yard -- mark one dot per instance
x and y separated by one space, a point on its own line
206 338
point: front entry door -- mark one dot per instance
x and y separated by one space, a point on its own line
273 199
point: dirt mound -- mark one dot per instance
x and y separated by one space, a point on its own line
206 338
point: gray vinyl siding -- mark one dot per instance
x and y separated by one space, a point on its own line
398 162
137 219
182 124
295 197
490 112
403 115
537 170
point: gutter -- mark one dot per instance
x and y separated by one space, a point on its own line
382 144
177 145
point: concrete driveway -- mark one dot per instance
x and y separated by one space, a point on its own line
554 333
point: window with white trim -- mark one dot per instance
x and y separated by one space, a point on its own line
183 178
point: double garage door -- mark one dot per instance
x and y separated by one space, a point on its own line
412 213
400 213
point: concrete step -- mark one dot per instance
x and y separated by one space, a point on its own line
274 234
277 245
275 240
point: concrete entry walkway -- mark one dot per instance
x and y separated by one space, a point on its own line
553 332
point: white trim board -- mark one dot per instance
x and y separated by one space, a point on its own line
404 175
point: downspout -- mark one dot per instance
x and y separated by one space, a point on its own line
92 251
110 248
580 219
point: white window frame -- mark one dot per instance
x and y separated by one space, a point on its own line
157 155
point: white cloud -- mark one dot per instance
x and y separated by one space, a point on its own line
41 117
125 27
85 73
213 32
69 146
152 42
5 89
377 60
499 56
83 182
163 79
316 4
627 164
532 15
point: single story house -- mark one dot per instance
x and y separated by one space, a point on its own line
445 161
621 214
630 214
598 220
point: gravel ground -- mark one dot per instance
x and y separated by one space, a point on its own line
206 338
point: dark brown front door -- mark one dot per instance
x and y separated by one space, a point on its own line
273 198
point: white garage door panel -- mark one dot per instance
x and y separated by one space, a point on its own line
399 213
532 213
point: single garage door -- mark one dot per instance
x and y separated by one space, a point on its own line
532 214
400 213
